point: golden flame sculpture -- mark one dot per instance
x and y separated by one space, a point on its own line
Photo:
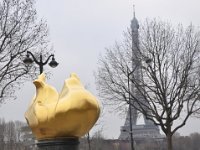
72 113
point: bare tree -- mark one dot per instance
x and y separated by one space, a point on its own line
20 30
168 58
10 135
2 133
190 142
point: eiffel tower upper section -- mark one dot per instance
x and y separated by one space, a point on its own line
148 130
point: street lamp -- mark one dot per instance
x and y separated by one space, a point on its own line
40 63
148 61
130 111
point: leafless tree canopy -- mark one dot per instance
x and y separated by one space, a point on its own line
169 64
11 135
170 85
20 31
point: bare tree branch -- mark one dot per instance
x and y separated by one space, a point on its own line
20 30
169 88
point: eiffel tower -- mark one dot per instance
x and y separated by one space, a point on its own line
148 130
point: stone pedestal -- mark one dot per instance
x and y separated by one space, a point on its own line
58 144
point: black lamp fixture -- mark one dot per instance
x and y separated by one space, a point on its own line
148 60
28 60
53 63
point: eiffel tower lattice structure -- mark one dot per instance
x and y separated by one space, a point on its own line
148 130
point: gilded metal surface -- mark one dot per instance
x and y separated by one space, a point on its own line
72 113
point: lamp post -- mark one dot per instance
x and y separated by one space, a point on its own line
130 112
51 144
40 63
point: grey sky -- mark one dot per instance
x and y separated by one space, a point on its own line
81 29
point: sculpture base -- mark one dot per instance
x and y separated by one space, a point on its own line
58 144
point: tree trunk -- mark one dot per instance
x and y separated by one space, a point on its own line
169 142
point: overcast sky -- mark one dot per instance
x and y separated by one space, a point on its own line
80 30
